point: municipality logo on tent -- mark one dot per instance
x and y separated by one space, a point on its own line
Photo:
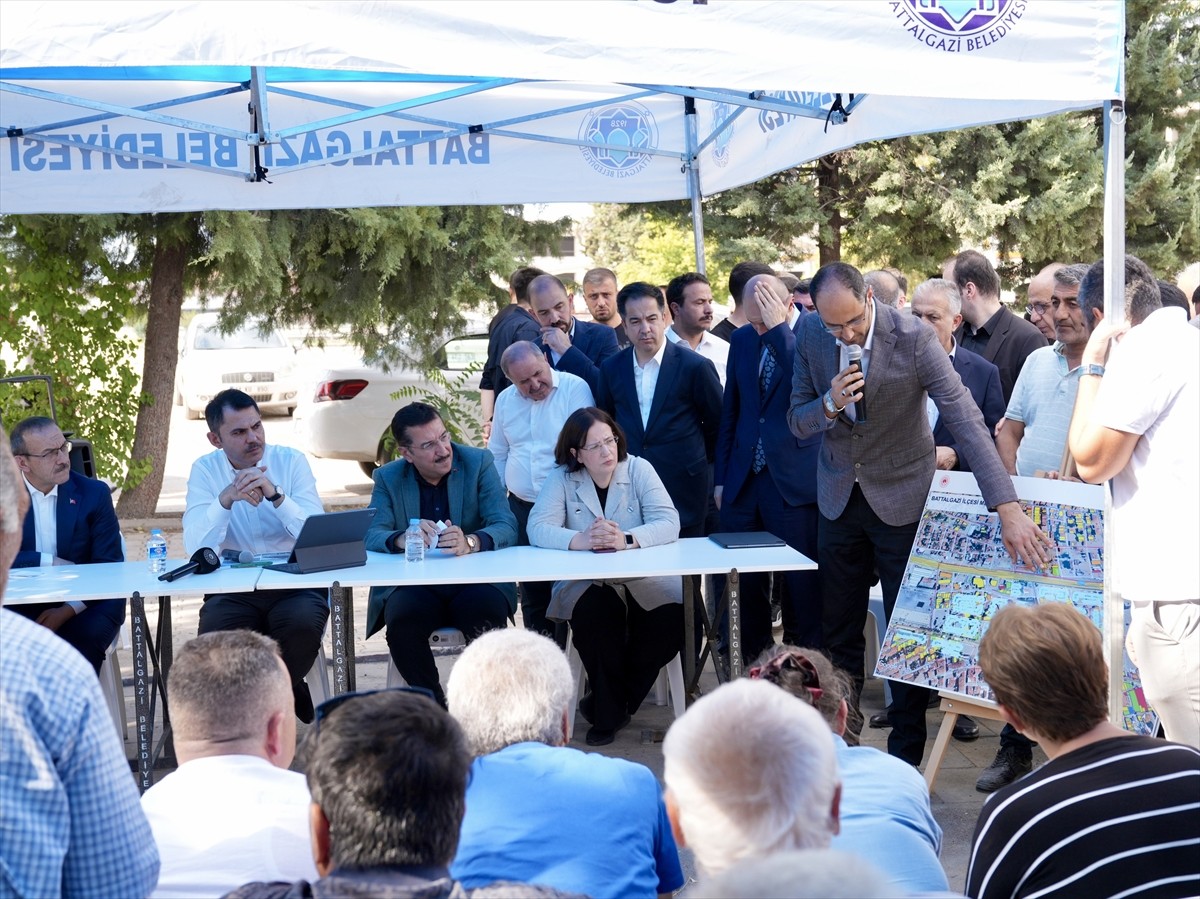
721 114
619 132
958 26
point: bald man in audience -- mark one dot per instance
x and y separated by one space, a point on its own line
1041 289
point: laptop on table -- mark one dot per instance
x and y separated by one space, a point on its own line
328 541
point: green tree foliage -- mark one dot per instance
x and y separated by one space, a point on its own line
1033 190
66 298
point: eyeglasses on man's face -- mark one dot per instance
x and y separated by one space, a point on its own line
1039 309
430 445
853 324
65 448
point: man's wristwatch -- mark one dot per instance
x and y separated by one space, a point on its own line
828 402
1091 369
277 496
629 541
472 543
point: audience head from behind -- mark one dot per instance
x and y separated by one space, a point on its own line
884 287
388 776
1173 296
809 676
519 281
14 504
231 694
800 874
1046 666
775 790
1142 295
511 686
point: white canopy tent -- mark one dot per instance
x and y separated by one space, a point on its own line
175 106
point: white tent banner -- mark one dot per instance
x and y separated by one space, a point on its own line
182 106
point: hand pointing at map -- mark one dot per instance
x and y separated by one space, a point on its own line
1025 541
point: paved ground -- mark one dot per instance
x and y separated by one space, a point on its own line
955 802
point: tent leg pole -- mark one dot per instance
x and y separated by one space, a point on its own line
693 173
1114 311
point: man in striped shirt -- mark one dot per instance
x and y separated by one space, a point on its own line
1111 813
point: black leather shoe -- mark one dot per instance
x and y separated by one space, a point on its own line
965 729
881 719
597 737
1008 765
304 703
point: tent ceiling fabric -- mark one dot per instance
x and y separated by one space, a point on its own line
181 106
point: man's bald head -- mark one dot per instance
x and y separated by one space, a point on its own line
752 308
884 287
1041 288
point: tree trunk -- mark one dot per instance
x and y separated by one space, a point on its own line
158 374
829 198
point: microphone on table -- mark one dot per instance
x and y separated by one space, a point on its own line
243 556
203 561
854 353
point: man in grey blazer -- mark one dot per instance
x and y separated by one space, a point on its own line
877 462
437 482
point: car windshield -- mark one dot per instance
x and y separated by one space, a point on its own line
244 338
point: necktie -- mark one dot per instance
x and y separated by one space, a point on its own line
766 372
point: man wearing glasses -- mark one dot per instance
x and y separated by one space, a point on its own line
876 466
1041 289
71 521
456 494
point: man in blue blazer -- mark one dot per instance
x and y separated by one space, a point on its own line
571 345
667 400
877 463
938 303
71 521
456 494
766 477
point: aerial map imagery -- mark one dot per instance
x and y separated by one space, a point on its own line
959 575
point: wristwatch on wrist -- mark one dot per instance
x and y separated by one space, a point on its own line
629 541
1091 369
278 495
828 402
472 543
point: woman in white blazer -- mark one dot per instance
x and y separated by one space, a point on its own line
601 499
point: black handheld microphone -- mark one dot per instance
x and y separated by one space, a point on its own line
244 556
854 352
204 560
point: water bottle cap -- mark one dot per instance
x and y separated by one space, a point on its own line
414 521
154 531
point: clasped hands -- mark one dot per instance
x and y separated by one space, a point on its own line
443 535
602 535
250 485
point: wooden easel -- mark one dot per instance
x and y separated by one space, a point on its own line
954 706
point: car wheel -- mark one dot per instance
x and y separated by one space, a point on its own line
368 468
291 410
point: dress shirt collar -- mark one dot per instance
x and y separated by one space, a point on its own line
988 328
35 494
953 347
657 358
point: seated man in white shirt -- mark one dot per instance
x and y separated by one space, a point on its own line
232 812
528 417
690 297
249 496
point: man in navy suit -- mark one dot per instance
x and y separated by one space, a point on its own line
937 303
574 346
71 521
667 400
766 477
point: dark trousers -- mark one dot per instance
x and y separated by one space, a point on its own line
1011 738
759 506
91 631
535 595
413 613
295 619
622 647
849 549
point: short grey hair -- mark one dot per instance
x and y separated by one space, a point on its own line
510 686
1071 275
948 289
522 349
815 873
752 797
225 686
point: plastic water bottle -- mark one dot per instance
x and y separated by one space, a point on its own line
414 542
156 552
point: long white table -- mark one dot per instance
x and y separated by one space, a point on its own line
695 555
151 656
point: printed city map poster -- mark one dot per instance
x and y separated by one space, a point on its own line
959 575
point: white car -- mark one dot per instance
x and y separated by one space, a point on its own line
348 411
260 363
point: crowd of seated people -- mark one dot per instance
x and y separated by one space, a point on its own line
606 449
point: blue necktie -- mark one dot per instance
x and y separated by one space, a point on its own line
766 372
